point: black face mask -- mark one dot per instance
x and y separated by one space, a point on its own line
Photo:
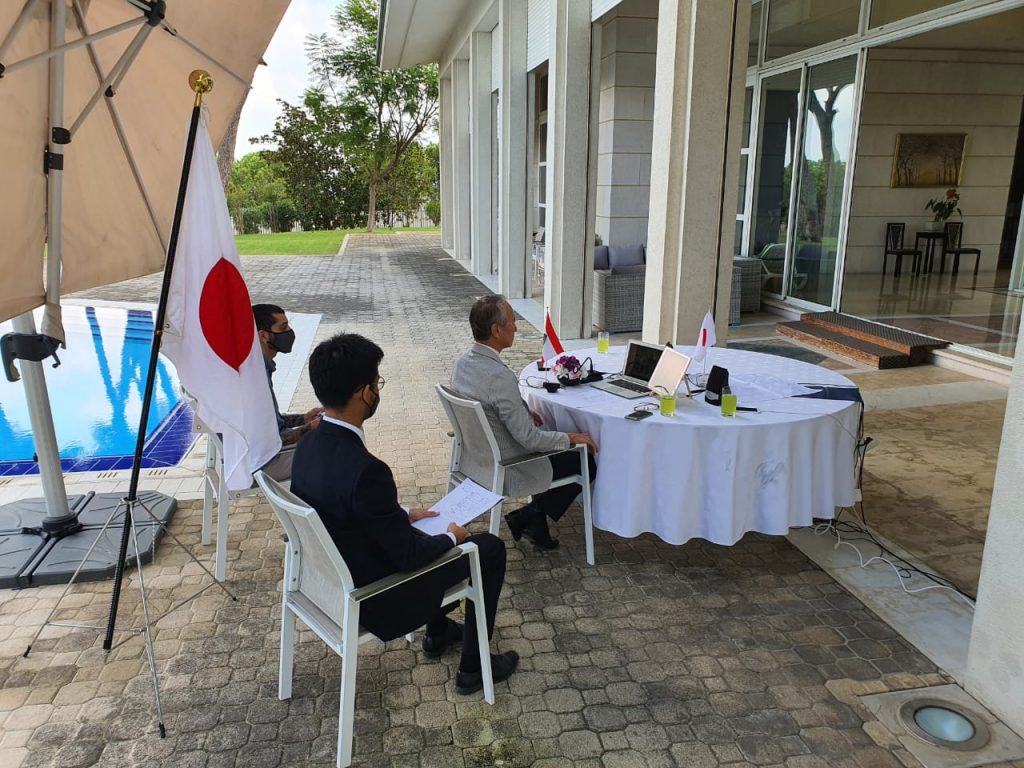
283 341
376 402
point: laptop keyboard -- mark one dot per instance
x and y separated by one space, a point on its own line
630 385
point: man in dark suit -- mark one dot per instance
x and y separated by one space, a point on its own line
355 495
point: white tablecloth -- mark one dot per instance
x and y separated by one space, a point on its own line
699 474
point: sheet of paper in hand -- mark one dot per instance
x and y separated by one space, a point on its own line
467 502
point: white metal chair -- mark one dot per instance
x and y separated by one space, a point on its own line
215 491
475 455
318 589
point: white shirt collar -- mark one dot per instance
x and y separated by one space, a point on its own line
483 349
346 425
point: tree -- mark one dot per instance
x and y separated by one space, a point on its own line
258 194
380 113
323 183
408 186
226 152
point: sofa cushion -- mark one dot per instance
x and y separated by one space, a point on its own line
600 257
625 255
632 269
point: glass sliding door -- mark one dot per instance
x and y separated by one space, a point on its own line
777 136
824 160
805 124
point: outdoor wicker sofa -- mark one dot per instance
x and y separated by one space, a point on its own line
619 273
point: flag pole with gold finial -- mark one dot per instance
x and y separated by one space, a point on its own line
201 83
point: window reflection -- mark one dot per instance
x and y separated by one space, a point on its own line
795 25
887 11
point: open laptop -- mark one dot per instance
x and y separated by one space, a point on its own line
635 378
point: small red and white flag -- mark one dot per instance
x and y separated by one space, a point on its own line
706 337
209 332
552 346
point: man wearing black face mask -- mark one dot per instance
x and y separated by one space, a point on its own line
277 336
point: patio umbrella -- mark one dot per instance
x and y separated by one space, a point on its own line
91 130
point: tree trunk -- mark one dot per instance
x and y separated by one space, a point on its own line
226 152
371 217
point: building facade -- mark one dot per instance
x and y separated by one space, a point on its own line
786 131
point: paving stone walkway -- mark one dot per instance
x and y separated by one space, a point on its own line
659 656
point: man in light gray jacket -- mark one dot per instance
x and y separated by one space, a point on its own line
481 375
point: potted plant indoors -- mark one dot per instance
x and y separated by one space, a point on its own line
943 207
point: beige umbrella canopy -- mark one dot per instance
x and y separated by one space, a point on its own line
122 164
94 110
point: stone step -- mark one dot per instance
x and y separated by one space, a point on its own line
847 346
914 345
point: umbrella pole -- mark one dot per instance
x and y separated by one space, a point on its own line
158 326
59 519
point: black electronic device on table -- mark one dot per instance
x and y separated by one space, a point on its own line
718 378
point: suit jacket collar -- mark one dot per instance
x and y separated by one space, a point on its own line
338 432
485 351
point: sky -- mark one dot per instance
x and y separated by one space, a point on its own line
285 76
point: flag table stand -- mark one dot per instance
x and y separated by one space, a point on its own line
128 507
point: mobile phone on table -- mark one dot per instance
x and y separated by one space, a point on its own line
639 415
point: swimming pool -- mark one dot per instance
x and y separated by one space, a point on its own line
96 398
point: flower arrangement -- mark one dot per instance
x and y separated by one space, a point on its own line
568 367
945 206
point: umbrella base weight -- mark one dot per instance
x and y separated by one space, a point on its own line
32 556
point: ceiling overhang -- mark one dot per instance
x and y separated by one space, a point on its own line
412 32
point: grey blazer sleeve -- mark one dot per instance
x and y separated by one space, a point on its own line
514 414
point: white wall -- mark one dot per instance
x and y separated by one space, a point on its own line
995 660
628 54
927 91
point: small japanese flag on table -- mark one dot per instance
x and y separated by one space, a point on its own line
552 346
210 334
706 338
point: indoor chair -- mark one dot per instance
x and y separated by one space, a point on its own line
894 232
952 245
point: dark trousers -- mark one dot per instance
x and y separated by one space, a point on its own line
553 503
492 570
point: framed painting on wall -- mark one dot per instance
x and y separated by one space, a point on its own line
928 159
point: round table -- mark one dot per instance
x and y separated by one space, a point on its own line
699 474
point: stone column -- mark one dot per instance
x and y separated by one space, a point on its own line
628 57
462 177
480 151
995 659
691 229
515 226
447 165
569 245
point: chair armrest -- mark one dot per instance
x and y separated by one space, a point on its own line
395 579
528 457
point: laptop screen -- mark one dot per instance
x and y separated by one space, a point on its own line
641 360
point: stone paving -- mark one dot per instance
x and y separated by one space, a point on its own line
657 657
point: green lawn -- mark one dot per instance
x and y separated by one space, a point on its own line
304 243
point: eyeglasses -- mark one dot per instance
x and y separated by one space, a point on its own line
380 382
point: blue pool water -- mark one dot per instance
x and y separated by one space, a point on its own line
96 398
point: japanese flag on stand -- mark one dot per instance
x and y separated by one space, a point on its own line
552 346
706 338
209 332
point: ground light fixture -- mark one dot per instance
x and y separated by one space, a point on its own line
941 723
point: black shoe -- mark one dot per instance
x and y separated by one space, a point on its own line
518 520
537 532
433 647
502 667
